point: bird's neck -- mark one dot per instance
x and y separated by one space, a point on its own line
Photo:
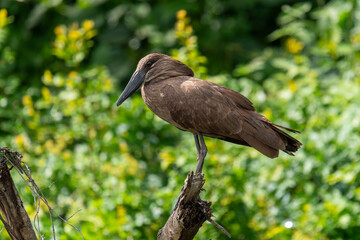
158 76
167 69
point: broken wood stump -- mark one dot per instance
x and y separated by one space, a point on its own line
190 212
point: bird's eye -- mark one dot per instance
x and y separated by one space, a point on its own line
149 63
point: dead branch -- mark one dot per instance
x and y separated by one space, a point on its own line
190 212
15 220
14 159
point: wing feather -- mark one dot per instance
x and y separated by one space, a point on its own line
202 109
197 105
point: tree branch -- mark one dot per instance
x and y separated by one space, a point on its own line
15 220
190 212
7 205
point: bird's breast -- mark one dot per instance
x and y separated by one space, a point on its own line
158 102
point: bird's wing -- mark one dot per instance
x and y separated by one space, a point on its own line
240 100
202 106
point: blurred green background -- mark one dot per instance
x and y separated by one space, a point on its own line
64 63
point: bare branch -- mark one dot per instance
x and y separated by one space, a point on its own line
218 226
15 220
190 212
14 158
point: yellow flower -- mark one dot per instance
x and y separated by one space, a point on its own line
74 34
166 159
121 211
299 59
46 94
60 144
3 13
71 104
306 207
123 147
292 85
88 25
293 46
108 84
66 155
252 224
47 77
30 111
70 83
332 49
60 30
121 215
33 124
3 17
181 14
49 145
331 208
73 74
298 235
27 101
189 30
191 41
267 113
273 231
41 162
19 140
180 25
92 133
261 201
132 165
225 201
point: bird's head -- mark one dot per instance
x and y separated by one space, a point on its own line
138 77
153 64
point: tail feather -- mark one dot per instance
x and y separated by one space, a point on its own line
287 129
263 135
262 147
267 137
292 145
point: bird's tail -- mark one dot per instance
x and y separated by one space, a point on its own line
291 144
267 137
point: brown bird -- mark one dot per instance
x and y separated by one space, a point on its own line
170 90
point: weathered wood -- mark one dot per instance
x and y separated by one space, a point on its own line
15 218
189 213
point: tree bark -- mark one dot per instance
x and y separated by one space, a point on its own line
15 218
190 211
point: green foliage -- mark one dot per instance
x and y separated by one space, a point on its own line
72 44
318 80
188 51
124 167
76 138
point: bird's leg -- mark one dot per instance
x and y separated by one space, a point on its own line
203 151
197 146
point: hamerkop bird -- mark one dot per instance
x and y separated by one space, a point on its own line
170 90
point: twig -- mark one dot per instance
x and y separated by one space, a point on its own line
73 214
218 226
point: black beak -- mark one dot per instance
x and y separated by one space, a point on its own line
135 82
